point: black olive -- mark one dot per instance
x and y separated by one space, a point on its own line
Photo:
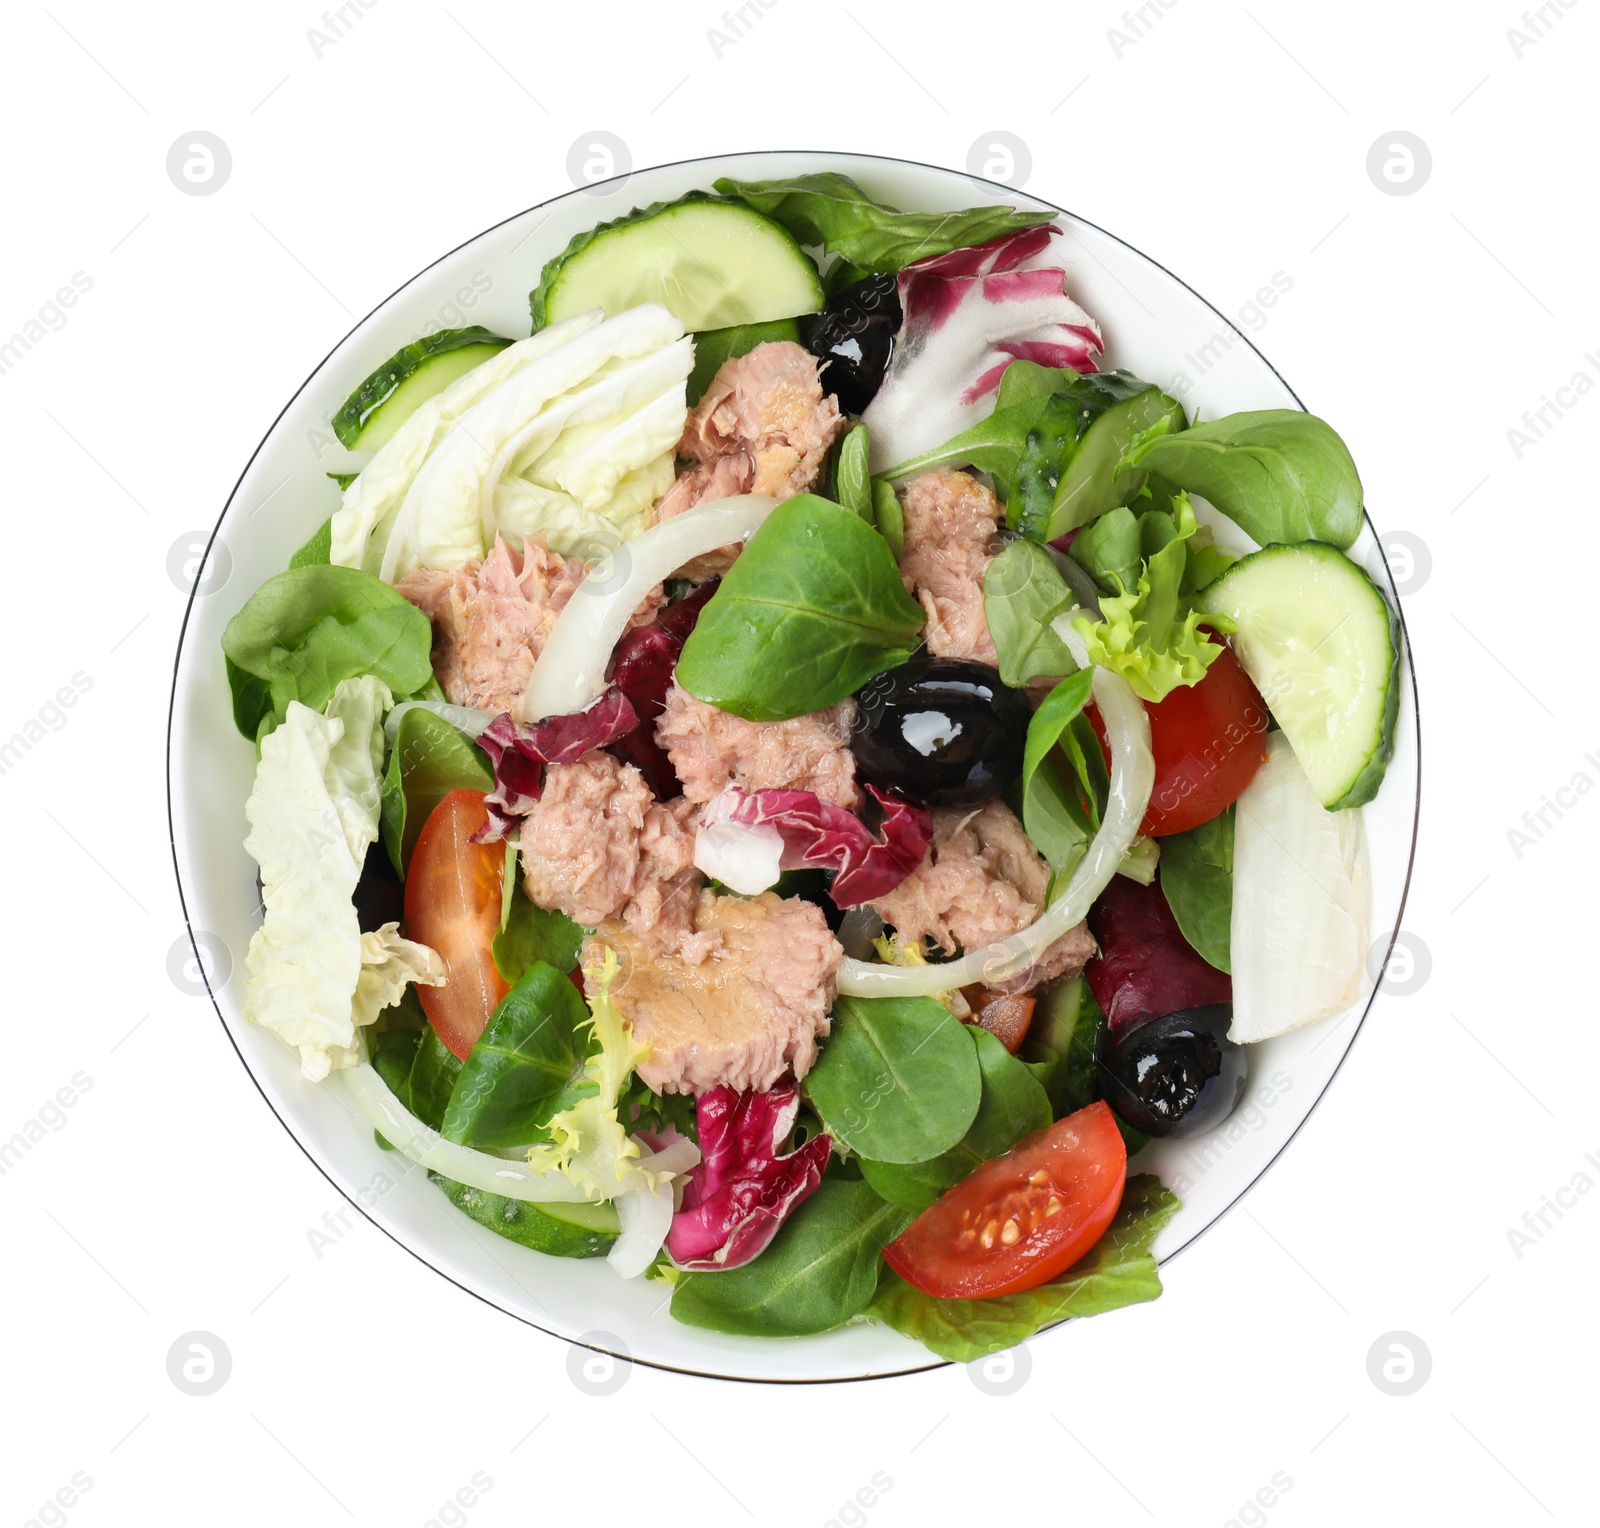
854 335
941 731
1175 1075
379 897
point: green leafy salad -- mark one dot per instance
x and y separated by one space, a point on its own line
786 776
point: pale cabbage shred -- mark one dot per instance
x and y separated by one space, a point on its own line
311 976
567 436
1302 903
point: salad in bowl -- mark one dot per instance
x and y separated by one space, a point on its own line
790 781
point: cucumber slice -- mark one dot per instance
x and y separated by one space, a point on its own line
1323 647
712 262
1117 406
560 1230
376 409
715 346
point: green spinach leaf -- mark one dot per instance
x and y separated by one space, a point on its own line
1022 594
820 1270
1118 1270
898 1080
813 608
852 477
832 210
532 934
1197 879
393 1053
429 759
433 1078
532 1048
714 346
304 631
1013 1105
1278 474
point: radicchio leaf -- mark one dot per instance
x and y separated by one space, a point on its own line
645 659
741 1191
519 752
968 315
1146 967
819 836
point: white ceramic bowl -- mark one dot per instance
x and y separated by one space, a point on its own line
1154 326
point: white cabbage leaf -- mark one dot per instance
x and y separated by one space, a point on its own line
364 519
1302 903
313 813
441 523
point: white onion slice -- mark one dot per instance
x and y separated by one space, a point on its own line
571 671
427 1148
469 720
645 1215
1132 775
745 859
677 1158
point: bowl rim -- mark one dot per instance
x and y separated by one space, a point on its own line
1407 665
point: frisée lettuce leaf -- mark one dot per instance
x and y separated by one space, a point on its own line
1150 633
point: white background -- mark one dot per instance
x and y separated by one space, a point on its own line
1230 145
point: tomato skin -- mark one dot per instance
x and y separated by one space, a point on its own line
1207 742
1079 1164
453 906
1006 1015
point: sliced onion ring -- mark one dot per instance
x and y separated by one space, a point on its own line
427 1148
1132 775
571 671
464 718
645 1217
478 1169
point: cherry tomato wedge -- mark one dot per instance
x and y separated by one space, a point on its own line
1206 739
453 906
1021 1218
1006 1015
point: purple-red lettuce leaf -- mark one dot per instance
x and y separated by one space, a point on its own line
820 836
519 751
968 315
743 1189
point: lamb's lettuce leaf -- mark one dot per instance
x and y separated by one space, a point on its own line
1197 878
1023 593
1013 1105
813 609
